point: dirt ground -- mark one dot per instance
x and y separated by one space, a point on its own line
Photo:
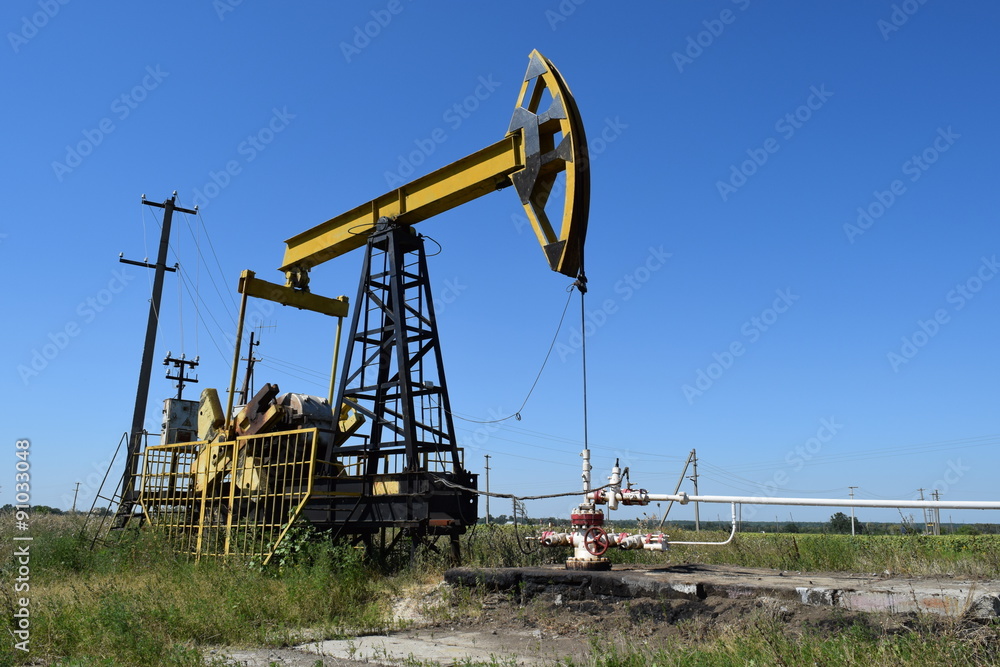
442 624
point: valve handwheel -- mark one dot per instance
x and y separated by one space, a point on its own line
595 541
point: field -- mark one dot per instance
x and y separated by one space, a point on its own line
137 603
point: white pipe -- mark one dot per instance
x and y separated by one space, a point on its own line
614 486
551 538
684 499
732 533
586 472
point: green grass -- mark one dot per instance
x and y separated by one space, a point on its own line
763 637
138 603
762 641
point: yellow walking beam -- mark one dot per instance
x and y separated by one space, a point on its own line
286 296
448 187
539 146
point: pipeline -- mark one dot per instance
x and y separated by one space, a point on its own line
642 497
732 533
590 541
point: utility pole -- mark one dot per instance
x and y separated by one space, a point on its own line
181 377
75 492
937 513
852 509
694 479
248 377
129 491
487 489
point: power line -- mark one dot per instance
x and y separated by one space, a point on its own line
201 318
211 246
538 376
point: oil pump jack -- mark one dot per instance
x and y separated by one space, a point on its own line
377 462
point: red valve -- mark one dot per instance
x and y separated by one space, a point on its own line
595 541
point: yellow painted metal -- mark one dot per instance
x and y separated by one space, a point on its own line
562 148
385 486
203 511
272 415
349 421
248 275
210 466
227 535
336 356
210 415
262 289
209 510
460 182
248 475
297 510
527 157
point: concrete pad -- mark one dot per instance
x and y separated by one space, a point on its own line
942 596
448 648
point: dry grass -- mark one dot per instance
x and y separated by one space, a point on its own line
762 638
137 603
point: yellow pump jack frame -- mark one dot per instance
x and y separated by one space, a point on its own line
254 499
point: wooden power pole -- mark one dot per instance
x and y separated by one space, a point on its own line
129 492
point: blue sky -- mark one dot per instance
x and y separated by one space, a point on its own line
792 250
